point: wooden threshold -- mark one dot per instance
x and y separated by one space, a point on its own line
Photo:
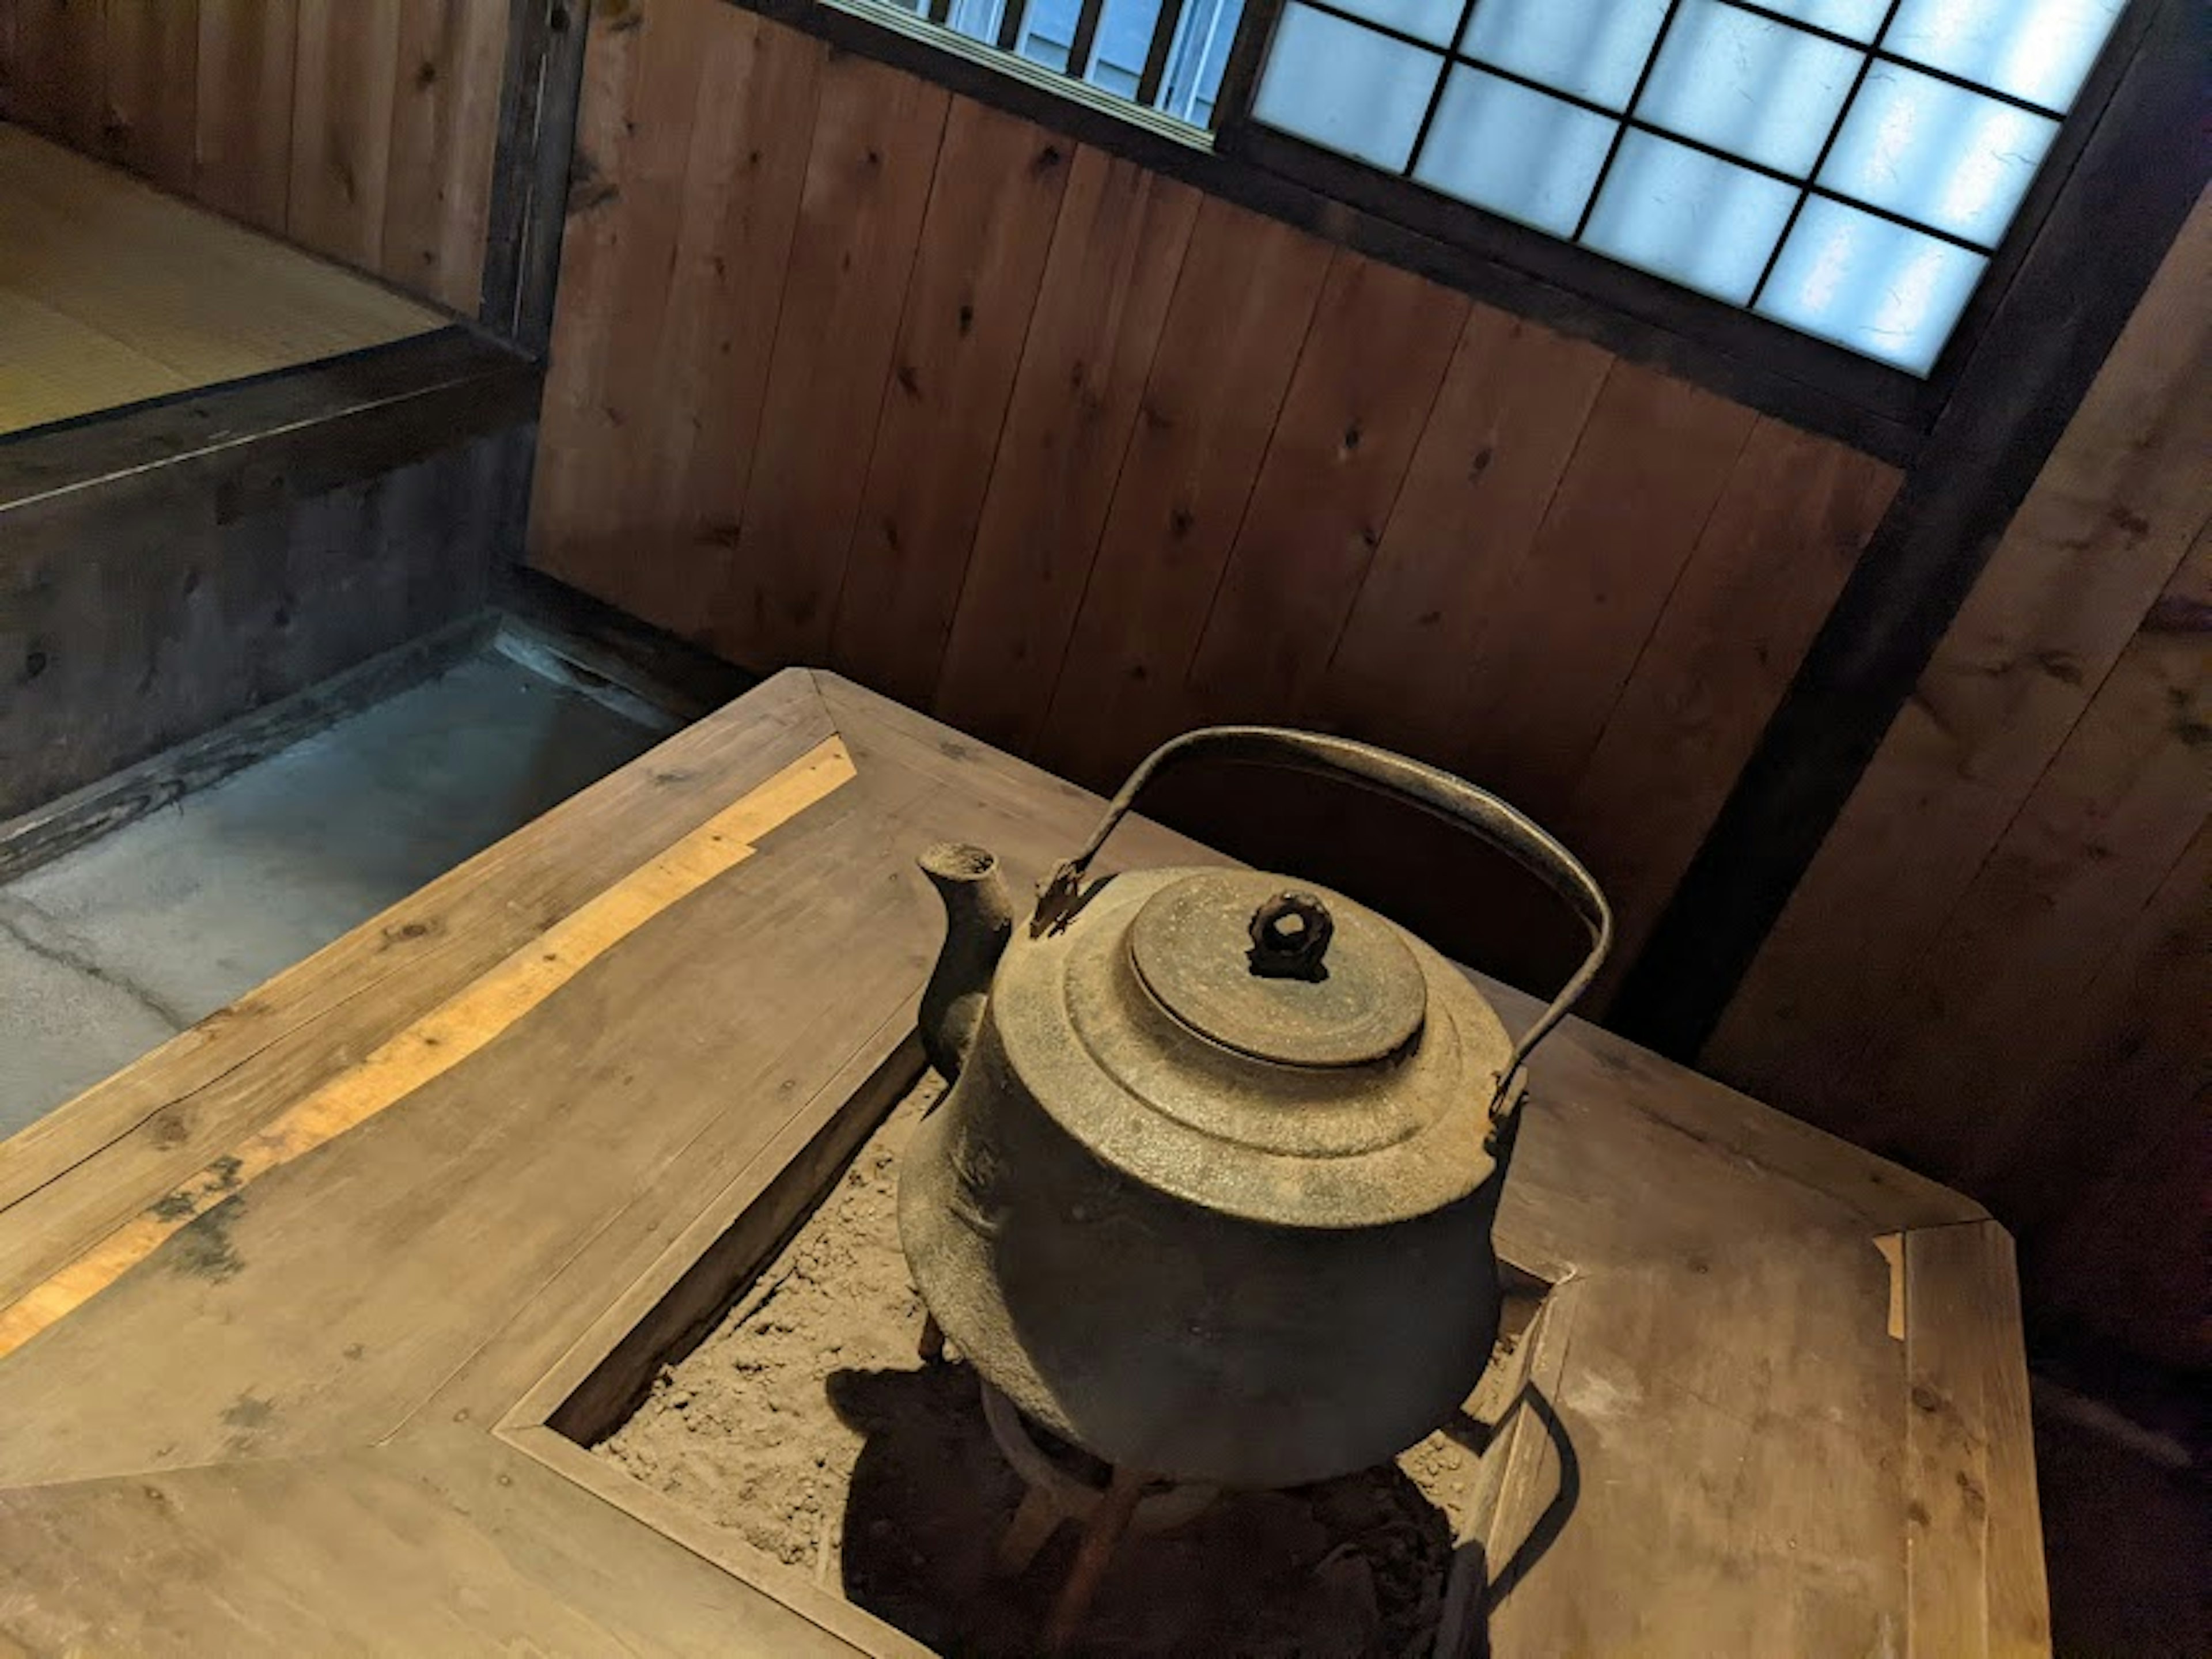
255 443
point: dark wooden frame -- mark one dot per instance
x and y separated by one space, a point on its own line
540 91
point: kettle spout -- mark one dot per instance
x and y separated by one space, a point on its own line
979 918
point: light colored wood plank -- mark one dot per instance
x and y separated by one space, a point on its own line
875 138
1796 515
2127 1070
449 1542
242 155
155 1122
991 208
117 293
1116 252
2087 850
2100 533
1745 1482
1226 353
152 83
1514 401
1376 351
1975 1548
450 57
445 1038
830 1612
345 71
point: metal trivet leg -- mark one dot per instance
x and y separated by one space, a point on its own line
1106 1515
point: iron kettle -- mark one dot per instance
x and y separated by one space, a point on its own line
1211 1195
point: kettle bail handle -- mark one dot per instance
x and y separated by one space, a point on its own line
1431 788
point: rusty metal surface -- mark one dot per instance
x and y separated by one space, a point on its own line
1356 998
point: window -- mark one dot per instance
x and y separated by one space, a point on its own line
1844 167
1169 55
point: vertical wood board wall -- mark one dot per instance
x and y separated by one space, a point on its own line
1999 968
361 129
849 370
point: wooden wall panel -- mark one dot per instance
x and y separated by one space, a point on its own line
1995 968
242 144
2100 536
992 208
346 70
1373 358
152 77
1116 252
1227 355
363 128
1054 448
1513 405
445 121
1717 662
876 137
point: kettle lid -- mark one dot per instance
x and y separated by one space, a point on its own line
1281 974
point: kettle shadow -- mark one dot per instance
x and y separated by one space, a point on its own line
1360 1565
1476 1590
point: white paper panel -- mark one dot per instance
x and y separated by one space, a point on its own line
1515 151
2038 50
1705 223
1937 152
1346 86
1753 87
1593 48
1871 285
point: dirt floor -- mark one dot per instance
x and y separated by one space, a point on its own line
807 1423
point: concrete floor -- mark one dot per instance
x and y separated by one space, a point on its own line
107 952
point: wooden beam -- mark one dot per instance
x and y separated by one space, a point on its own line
538 97
252 443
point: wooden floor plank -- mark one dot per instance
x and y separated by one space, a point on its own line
1116 252
446 1543
981 255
